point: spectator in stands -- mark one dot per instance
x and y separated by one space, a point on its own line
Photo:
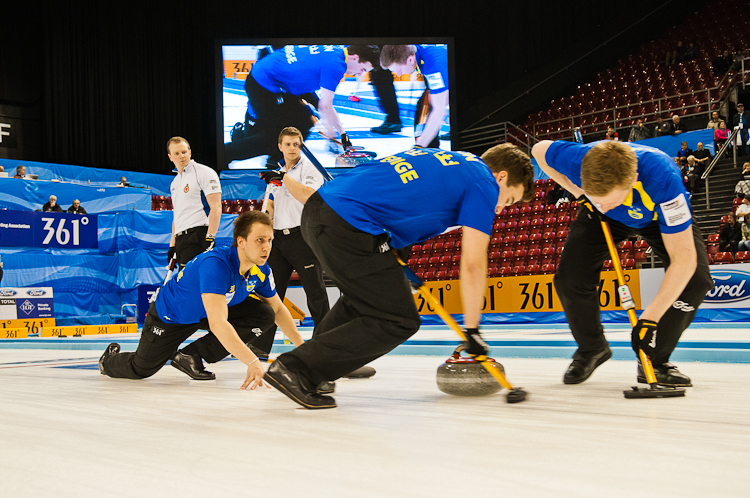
638 132
723 63
676 54
702 158
742 189
693 174
730 235
20 172
683 154
661 128
76 208
123 182
691 52
744 244
741 120
743 209
52 206
611 135
677 125
721 134
715 120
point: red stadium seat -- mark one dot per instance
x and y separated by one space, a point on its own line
742 257
519 257
519 270
533 269
608 265
713 243
548 268
441 275
628 264
453 274
723 258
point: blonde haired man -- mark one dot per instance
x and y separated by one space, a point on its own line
639 191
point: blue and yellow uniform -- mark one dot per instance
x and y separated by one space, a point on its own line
659 193
396 195
432 61
212 272
300 69
178 312
350 224
657 205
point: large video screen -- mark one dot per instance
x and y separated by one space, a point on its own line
328 87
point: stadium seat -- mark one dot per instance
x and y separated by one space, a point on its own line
608 265
628 264
533 269
723 258
625 249
548 268
742 257
712 244
519 270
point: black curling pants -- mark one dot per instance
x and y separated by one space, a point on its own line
160 340
577 279
376 311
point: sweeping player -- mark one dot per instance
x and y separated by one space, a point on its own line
432 62
638 190
192 231
228 291
351 225
277 81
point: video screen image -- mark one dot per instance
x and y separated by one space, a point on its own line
325 89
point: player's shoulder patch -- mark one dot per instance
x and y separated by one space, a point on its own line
435 81
676 212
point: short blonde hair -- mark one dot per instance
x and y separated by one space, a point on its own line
509 158
176 140
290 131
608 166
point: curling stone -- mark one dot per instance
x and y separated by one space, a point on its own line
462 376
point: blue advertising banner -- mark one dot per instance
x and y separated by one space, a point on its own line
37 229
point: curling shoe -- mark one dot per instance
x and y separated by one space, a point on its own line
387 128
326 387
666 375
111 350
582 368
192 365
291 384
361 373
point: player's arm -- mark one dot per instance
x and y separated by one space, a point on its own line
435 119
217 313
473 274
214 216
325 107
539 151
683 262
269 208
284 319
298 191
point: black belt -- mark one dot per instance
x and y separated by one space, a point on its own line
189 230
287 231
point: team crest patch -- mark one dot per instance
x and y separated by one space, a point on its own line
635 213
186 189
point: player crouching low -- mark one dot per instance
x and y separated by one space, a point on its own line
229 291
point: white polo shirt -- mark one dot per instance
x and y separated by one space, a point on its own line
186 195
287 211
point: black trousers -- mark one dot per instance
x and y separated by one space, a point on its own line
376 311
424 101
382 82
577 281
274 112
291 252
189 245
160 340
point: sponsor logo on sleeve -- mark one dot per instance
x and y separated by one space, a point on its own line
676 212
435 81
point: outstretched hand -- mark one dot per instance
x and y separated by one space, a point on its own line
254 378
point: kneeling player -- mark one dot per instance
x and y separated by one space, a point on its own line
229 291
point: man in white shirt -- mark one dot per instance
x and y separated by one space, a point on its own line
192 230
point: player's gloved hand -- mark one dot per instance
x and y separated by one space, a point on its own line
208 244
582 200
170 254
648 343
475 345
345 141
275 177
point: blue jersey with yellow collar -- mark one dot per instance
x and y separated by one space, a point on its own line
432 61
415 195
658 195
300 69
213 272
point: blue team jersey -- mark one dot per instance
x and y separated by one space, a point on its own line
659 193
300 69
432 61
213 272
416 195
